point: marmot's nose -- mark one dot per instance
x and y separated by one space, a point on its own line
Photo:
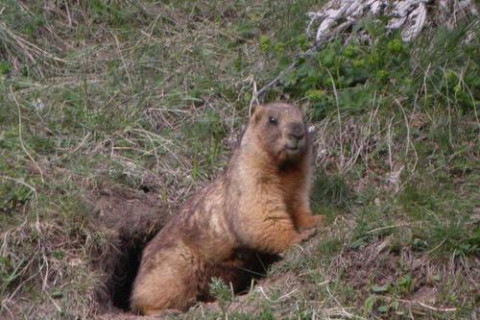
297 131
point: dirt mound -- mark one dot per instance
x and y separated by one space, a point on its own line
376 264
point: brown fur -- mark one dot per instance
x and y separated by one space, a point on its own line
258 205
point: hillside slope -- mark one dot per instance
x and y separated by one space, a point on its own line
112 113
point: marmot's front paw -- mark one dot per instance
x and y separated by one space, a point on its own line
307 234
311 221
319 220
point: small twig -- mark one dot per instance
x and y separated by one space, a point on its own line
20 135
264 294
81 144
434 308
68 14
390 227
475 112
348 314
426 306
254 101
123 60
389 143
22 183
53 301
339 118
409 139
286 295
262 91
29 46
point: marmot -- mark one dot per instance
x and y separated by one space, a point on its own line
259 204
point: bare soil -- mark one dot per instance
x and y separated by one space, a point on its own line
376 269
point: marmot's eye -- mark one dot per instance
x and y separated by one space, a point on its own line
272 120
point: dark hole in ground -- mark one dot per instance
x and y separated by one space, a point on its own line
247 265
145 189
124 271
255 268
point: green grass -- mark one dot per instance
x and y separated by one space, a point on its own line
145 95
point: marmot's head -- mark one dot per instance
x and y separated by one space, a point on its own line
280 130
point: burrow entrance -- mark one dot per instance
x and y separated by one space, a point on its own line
130 219
123 271
127 219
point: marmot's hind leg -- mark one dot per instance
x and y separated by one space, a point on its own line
171 283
